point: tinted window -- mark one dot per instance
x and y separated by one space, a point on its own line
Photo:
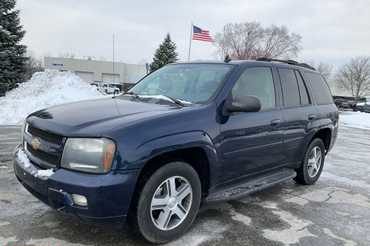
319 88
302 89
290 87
256 82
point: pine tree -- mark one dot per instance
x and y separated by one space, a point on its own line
12 53
165 54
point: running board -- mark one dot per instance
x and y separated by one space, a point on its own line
257 184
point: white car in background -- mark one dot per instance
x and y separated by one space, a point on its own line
111 89
108 88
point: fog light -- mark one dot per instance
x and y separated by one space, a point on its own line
79 200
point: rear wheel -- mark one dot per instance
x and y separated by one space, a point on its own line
168 202
313 163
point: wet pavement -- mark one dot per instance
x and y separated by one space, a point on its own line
335 211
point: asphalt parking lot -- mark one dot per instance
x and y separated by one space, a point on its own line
335 211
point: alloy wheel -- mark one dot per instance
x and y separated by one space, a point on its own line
314 161
171 203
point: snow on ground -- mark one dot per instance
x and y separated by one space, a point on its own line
355 119
43 90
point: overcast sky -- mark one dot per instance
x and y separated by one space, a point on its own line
332 31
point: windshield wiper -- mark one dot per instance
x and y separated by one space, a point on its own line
164 97
169 98
175 100
131 94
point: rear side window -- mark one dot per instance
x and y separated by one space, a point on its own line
256 82
305 100
290 87
319 88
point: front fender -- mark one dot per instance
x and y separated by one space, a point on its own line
185 140
173 142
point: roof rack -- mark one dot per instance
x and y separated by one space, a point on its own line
291 62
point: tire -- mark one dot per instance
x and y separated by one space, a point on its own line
149 221
306 174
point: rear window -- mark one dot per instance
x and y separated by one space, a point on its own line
290 87
320 89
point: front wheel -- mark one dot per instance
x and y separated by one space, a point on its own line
168 202
313 163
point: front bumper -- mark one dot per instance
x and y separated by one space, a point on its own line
108 195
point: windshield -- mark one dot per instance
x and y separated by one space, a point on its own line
193 83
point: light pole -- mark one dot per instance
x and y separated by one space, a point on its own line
113 59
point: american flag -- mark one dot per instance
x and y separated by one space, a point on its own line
201 35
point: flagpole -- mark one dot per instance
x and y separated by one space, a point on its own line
190 38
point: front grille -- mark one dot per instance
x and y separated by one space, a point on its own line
49 158
49 151
47 136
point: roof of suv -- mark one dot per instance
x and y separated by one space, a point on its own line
267 61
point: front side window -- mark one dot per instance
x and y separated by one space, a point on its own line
194 83
256 82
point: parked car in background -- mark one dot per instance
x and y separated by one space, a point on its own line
184 135
345 103
111 89
107 88
363 106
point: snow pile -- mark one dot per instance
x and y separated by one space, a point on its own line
30 168
355 119
43 90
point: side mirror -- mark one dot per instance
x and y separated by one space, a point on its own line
244 104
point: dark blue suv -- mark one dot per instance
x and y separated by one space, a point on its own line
185 134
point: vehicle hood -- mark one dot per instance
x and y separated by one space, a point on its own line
94 117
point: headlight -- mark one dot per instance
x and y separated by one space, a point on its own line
93 155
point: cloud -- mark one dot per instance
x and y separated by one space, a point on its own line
332 31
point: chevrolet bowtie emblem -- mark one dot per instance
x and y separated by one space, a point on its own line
35 143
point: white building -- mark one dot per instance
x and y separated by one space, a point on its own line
99 72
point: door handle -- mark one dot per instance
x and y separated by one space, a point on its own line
311 116
275 122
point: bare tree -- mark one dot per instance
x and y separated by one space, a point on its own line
355 76
33 65
278 43
250 40
239 40
325 70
